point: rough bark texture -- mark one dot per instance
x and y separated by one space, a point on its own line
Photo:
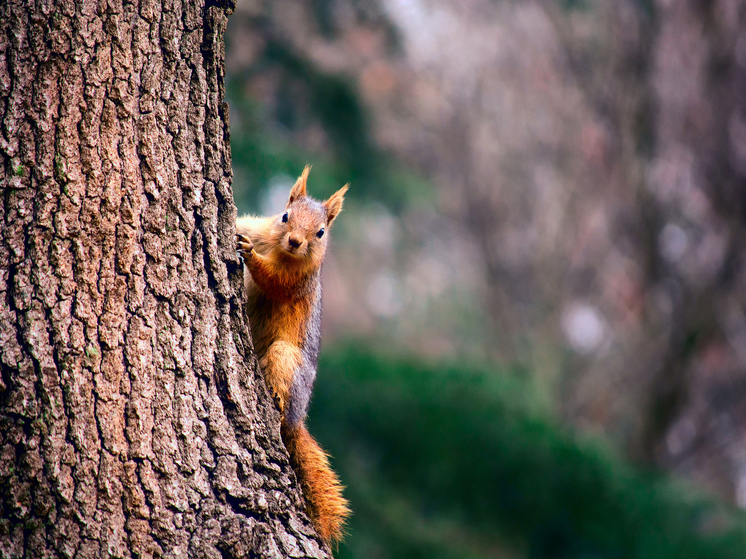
130 422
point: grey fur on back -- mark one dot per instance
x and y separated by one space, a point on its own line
304 377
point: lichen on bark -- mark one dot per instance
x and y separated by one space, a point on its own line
133 421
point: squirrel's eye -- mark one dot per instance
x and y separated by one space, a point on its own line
285 217
320 233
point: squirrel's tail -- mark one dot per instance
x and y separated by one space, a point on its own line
327 507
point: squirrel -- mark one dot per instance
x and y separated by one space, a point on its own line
284 254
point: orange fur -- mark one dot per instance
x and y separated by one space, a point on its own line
283 255
327 507
279 358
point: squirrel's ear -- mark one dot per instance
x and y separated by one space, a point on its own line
334 204
299 188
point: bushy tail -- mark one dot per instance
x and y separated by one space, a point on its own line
327 507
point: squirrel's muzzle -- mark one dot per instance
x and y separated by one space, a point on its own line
295 241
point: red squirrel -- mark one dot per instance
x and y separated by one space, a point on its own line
283 255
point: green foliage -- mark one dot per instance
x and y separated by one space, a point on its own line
264 141
445 462
571 5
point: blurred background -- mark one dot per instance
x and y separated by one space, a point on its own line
535 299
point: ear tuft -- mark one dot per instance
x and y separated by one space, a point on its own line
334 204
299 188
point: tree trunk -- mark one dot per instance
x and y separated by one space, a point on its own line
133 421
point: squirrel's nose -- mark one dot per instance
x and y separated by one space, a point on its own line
294 241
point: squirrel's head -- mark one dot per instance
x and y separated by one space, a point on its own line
304 224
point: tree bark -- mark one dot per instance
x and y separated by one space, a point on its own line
133 421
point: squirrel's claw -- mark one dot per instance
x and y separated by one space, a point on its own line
244 246
279 400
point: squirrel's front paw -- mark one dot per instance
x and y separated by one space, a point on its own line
244 246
